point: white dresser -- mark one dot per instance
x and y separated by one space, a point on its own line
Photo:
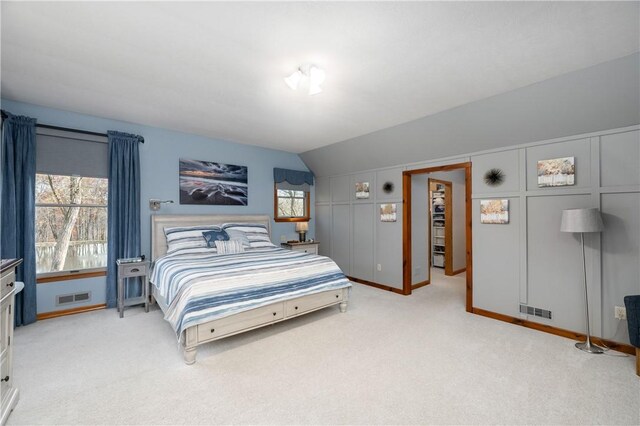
8 393
307 247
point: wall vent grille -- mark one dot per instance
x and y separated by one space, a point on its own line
530 310
65 299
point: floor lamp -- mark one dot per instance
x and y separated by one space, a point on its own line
583 220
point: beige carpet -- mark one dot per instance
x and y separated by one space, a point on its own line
389 360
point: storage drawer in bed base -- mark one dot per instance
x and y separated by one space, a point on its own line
239 322
265 315
302 305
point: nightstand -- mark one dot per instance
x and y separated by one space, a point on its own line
310 247
132 270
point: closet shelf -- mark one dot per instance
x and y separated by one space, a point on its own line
438 208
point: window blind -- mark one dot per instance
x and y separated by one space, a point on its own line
59 152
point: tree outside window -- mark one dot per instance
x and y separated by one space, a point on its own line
291 205
71 223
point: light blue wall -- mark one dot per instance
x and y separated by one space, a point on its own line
47 292
159 166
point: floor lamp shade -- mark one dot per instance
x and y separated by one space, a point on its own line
581 220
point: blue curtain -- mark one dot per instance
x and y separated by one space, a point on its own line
294 177
124 208
18 208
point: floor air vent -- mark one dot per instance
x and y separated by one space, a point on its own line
65 299
530 310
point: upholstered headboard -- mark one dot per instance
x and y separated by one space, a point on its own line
160 221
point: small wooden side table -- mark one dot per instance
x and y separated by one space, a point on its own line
132 270
306 246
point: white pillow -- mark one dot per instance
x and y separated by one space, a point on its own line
187 237
229 247
256 233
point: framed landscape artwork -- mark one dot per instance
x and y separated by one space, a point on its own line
207 182
362 190
494 211
388 212
556 172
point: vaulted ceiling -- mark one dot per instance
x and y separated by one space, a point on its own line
216 69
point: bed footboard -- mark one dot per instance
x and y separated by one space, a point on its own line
256 318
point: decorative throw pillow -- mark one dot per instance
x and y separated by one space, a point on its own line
256 233
215 235
234 234
187 237
229 247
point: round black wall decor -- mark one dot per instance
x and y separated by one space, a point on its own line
387 187
494 177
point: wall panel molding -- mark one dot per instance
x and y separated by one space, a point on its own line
519 288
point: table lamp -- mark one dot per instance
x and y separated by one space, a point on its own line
581 221
301 229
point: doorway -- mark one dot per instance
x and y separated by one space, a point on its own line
440 253
416 205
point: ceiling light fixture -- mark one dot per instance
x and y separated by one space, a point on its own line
315 75
316 78
294 79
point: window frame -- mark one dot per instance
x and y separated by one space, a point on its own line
307 208
69 274
74 274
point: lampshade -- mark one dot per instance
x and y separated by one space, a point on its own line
316 78
314 90
581 220
294 79
302 226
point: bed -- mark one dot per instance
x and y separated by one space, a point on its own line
207 296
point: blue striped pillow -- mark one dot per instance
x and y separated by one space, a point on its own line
187 237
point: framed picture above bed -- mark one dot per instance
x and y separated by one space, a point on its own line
208 182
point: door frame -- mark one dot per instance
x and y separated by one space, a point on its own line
406 225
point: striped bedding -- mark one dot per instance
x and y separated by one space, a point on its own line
203 286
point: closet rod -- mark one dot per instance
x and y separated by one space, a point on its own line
66 129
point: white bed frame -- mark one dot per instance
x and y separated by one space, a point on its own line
243 321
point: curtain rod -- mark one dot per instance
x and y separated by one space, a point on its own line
67 129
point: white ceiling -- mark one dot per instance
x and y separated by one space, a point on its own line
216 69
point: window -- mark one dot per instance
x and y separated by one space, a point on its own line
291 191
71 223
71 203
291 205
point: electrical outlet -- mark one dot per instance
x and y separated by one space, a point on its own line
620 312
379 267
283 238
